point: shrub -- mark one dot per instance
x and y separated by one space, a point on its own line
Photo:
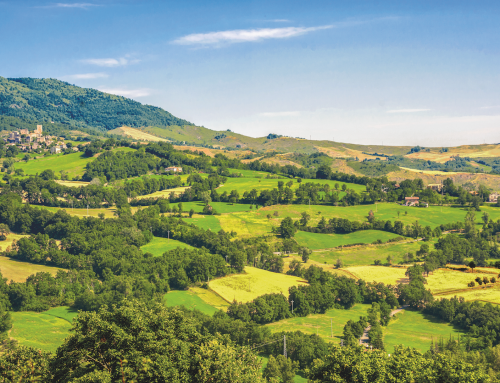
471 284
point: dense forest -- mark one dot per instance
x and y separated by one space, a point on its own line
54 100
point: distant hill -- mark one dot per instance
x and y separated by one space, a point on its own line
46 100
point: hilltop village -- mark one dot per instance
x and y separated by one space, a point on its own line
37 141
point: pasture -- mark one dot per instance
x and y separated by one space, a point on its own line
418 330
189 300
252 284
317 241
205 222
160 245
333 321
386 275
73 164
63 312
39 330
367 255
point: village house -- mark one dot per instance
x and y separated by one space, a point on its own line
55 149
175 169
412 201
24 131
493 197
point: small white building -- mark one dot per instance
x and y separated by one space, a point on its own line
493 197
55 149
175 169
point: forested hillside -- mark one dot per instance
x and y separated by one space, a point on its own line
53 100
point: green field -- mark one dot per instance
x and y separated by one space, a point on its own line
188 299
415 329
18 271
73 164
366 255
221 207
205 222
160 245
63 312
39 330
333 321
316 241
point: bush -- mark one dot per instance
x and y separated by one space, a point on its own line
471 284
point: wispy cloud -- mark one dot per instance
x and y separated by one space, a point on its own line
87 76
128 92
110 62
280 114
490 107
71 5
280 21
408 110
245 35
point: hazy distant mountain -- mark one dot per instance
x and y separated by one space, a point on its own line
53 100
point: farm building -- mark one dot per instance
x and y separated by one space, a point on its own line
435 187
493 197
175 169
412 201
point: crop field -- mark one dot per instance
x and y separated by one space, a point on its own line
387 275
489 293
366 255
210 297
160 245
443 280
316 241
205 222
333 321
252 284
415 329
189 300
39 330
164 193
72 183
73 164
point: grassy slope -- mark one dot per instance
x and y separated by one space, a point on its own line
160 245
188 299
415 329
73 164
316 241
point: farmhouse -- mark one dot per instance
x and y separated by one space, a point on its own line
175 169
435 187
55 149
493 197
412 201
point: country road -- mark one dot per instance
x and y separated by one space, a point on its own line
364 340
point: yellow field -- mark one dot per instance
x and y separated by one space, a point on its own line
72 183
10 239
431 172
254 283
487 294
387 275
164 193
136 134
462 151
210 297
443 280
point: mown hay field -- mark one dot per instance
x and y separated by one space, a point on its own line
333 321
189 300
248 224
418 330
443 280
164 193
252 284
76 184
108 213
366 255
387 275
317 241
39 330
160 245
489 293
73 164
205 222
18 271
210 297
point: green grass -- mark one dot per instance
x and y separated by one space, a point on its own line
366 255
221 207
189 300
160 245
39 330
63 312
415 329
205 222
73 164
333 321
316 241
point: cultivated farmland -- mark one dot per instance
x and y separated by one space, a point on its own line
386 275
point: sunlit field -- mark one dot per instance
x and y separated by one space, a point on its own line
386 275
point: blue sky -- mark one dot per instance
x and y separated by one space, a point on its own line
370 72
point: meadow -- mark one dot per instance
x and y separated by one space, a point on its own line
210 297
72 183
164 193
189 300
160 245
221 207
18 271
252 284
205 222
489 293
367 255
317 241
73 164
386 275
418 330
39 330
443 280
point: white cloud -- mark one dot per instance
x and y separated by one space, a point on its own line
128 92
408 110
88 76
108 62
490 107
74 5
245 35
280 114
280 21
